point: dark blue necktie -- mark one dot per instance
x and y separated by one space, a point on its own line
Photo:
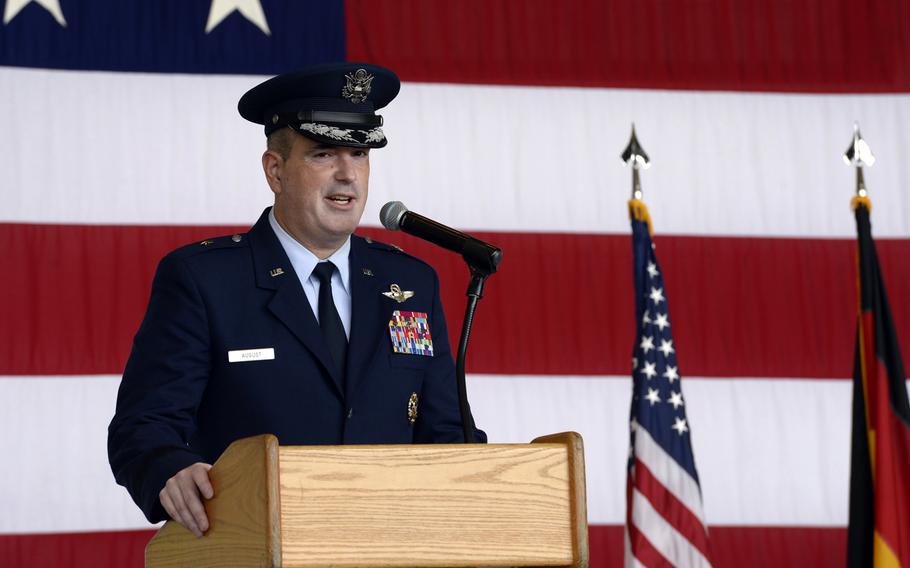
329 320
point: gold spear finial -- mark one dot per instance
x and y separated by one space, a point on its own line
634 155
859 154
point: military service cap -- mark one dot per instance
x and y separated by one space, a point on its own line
334 104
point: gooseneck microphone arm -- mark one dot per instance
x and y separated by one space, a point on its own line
483 260
478 254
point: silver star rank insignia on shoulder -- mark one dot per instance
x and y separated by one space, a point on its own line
396 293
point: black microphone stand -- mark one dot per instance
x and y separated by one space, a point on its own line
475 293
481 266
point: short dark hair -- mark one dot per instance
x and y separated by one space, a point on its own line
281 141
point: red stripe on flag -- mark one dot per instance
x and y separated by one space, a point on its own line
671 508
768 45
743 547
774 309
74 296
114 549
733 547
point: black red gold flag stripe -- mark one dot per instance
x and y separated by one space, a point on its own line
879 529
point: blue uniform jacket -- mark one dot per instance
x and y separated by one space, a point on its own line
181 401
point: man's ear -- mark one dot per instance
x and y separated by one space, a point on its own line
272 165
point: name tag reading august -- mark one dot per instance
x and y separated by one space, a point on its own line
241 355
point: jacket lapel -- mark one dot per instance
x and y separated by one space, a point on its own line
367 312
289 304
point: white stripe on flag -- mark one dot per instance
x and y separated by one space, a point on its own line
669 473
663 537
171 149
56 477
744 432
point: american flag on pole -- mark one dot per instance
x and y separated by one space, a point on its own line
665 521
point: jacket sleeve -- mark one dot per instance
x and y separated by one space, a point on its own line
162 386
439 418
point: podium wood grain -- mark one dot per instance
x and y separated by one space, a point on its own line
390 506
500 505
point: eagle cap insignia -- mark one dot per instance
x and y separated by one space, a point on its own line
396 293
358 86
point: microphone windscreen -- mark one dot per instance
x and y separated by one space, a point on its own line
390 215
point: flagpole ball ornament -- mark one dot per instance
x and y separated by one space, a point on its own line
333 104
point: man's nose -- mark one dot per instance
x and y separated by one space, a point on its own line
346 170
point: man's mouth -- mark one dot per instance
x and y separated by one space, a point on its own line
340 199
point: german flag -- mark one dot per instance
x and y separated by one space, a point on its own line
879 531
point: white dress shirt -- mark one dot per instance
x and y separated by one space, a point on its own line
305 261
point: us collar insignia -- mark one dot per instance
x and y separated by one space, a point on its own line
357 87
396 293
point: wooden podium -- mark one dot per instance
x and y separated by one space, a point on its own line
392 505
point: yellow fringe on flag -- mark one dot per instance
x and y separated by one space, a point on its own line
638 211
861 200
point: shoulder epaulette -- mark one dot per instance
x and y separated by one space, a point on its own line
395 249
215 243
384 246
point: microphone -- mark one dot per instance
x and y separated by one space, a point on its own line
478 254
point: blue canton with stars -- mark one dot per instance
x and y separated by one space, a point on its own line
657 401
254 37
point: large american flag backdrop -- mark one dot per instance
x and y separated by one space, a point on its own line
119 140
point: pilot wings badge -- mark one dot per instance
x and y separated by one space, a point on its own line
358 86
396 293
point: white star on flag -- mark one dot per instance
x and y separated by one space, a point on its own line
645 320
666 347
671 374
249 9
649 370
662 321
652 396
647 344
652 269
680 426
13 7
657 295
676 399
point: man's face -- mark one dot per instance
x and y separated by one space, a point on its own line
320 191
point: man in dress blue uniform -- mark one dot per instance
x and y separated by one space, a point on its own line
297 328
